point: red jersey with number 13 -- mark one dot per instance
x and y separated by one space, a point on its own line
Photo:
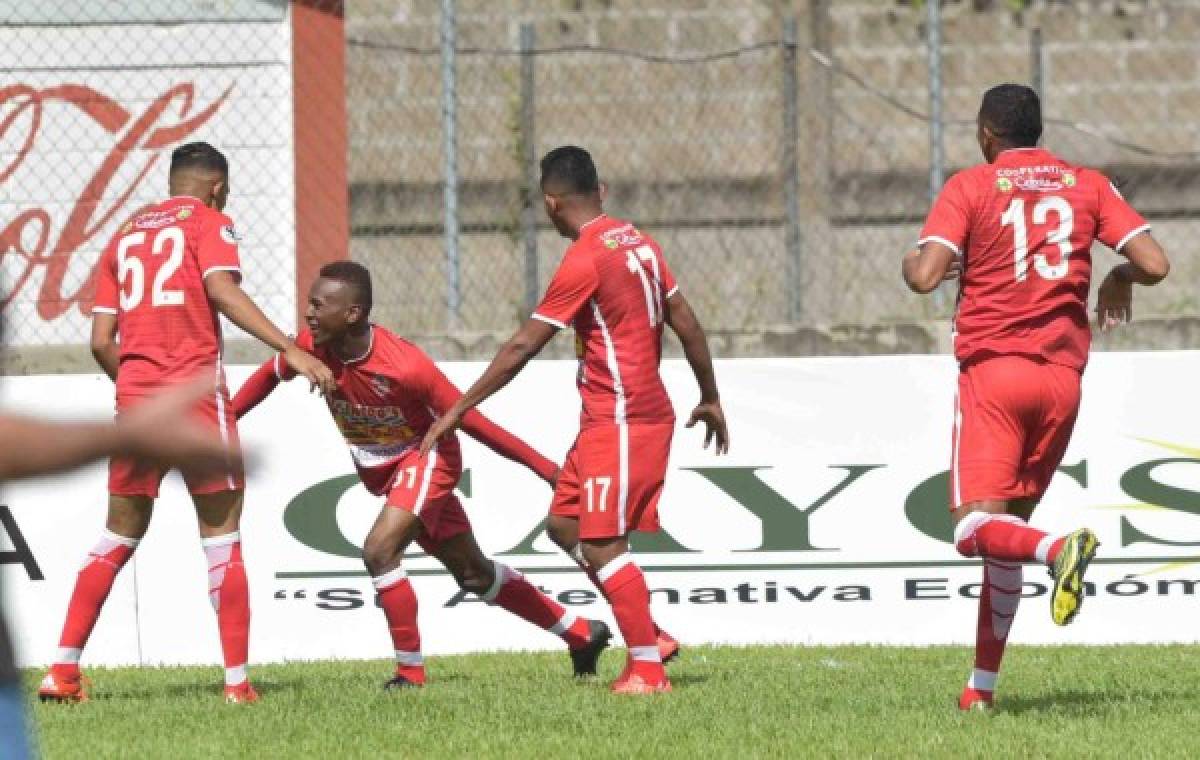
612 285
1023 227
152 278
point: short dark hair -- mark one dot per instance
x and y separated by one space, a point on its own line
356 276
199 155
570 169
1014 114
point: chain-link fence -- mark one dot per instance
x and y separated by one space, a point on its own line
780 151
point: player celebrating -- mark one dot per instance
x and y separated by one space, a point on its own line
615 287
1021 227
160 285
388 394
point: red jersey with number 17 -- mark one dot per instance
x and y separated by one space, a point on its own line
152 278
1023 227
612 285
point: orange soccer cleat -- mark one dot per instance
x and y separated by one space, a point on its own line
641 680
241 694
63 687
975 699
668 647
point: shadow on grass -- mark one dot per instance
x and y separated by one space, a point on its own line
1075 702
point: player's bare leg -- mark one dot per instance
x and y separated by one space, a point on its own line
564 532
128 519
383 552
626 590
219 517
501 585
998 531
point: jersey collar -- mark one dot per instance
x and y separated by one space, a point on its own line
365 354
587 224
1017 155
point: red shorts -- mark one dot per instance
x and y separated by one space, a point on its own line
130 476
1012 422
610 492
425 487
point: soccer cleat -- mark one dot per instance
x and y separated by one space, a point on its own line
633 682
399 682
585 657
58 688
1069 566
975 700
668 647
241 694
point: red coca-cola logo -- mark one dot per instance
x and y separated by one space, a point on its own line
43 242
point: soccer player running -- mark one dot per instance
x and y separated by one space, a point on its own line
614 286
161 284
1020 228
388 394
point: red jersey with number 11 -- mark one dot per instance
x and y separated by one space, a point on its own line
152 278
1023 227
612 285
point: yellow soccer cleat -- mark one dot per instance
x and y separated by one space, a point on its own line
1078 549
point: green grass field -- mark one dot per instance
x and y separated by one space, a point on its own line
728 702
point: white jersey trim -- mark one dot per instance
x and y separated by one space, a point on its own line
221 424
210 270
1124 240
103 310
942 240
549 321
427 476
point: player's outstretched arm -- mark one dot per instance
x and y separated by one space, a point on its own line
259 385
928 265
512 357
1147 265
683 321
160 430
104 343
229 299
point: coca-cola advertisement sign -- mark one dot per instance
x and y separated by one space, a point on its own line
84 149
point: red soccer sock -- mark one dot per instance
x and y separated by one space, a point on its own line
511 591
626 589
230 596
577 555
998 599
399 603
1004 537
92 587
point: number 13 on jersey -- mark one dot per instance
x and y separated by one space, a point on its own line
1015 216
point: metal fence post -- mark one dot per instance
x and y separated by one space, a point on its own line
529 169
791 172
1037 65
450 143
936 156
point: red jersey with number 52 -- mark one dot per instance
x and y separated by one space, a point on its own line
1023 227
612 285
152 277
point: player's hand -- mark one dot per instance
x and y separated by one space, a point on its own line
954 271
441 427
714 423
163 430
319 376
1114 302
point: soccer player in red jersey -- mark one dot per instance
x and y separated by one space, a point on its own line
1019 228
161 284
615 287
388 394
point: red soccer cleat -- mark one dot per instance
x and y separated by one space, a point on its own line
406 677
241 694
668 647
642 678
975 699
60 687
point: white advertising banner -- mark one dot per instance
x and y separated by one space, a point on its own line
89 115
827 522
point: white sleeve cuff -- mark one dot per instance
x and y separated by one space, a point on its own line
278 372
103 310
549 321
942 240
1130 236
210 270
672 291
